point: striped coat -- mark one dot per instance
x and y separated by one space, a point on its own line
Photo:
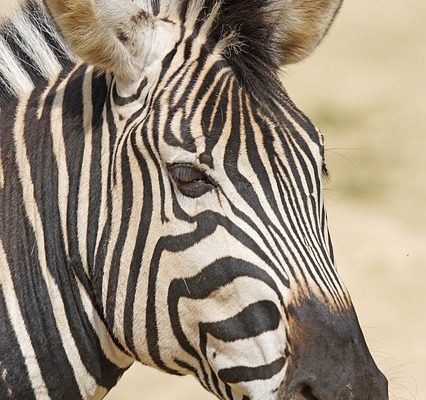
161 201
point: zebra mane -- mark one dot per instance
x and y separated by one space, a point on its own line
250 35
33 50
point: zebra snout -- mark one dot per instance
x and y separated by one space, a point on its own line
329 357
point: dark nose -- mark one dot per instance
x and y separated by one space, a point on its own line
329 358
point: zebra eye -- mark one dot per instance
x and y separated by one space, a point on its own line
190 181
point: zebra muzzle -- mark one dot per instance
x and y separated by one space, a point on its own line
329 357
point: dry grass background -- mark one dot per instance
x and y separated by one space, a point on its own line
365 88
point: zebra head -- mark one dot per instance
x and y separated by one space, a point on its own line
218 261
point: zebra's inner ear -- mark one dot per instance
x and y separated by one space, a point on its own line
301 25
113 35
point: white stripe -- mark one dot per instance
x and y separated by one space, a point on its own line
105 157
130 242
84 188
44 21
15 77
59 151
34 45
117 201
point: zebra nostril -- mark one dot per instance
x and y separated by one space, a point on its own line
304 393
307 393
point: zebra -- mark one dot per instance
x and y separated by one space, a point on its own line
161 202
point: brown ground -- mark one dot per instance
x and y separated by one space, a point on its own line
366 89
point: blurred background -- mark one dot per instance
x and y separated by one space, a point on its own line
365 88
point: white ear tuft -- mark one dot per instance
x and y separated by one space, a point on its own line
113 35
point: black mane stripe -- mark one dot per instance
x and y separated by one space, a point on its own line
31 50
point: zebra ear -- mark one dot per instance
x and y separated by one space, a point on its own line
114 35
301 25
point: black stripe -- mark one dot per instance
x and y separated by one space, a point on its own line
13 38
215 112
99 94
123 101
101 251
73 136
11 357
248 374
44 24
127 204
14 380
255 319
142 235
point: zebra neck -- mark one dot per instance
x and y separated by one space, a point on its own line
51 327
